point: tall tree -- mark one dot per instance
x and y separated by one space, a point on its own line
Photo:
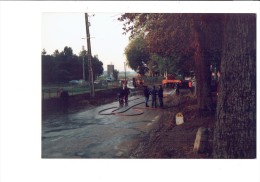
56 53
65 66
137 55
67 51
154 65
97 67
235 128
116 73
206 35
188 35
44 52
48 67
168 34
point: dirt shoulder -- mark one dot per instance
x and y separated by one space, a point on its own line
168 140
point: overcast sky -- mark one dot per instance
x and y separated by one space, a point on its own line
68 29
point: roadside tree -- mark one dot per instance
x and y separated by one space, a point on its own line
137 55
61 67
181 34
97 67
235 127
116 73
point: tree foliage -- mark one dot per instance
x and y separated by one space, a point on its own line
61 67
115 74
137 55
97 67
191 38
167 38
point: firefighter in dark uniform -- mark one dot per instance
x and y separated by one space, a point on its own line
146 95
134 83
178 88
126 92
64 96
160 95
153 94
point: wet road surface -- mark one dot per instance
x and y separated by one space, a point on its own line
95 134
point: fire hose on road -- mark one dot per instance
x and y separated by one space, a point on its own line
138 110
113 112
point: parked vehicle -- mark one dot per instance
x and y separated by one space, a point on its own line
74 82
185 84
170 81
101 82
110 79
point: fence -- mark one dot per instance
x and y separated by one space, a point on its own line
55 90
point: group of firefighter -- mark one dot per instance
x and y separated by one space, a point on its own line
153 92
123 96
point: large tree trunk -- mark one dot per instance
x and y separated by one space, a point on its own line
202 69
235 128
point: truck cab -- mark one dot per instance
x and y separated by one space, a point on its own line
170 81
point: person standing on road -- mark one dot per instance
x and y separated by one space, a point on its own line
126 92
64 96
178 88
153 94
134 83
121 97
146 95
160 95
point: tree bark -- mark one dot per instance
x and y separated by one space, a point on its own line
202 69
235 127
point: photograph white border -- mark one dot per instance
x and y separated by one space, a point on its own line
20 104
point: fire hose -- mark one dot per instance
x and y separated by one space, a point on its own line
138 110
113 112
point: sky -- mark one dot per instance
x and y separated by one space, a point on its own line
68 29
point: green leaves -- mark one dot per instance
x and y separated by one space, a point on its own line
137 55
173 35
65 66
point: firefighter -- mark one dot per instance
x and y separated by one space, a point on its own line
64 96
153 94
160 95
146 95
126 92
134 83
178 88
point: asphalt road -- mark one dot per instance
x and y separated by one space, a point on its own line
95 134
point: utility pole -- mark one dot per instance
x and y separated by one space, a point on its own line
83 52
91 81
125 71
